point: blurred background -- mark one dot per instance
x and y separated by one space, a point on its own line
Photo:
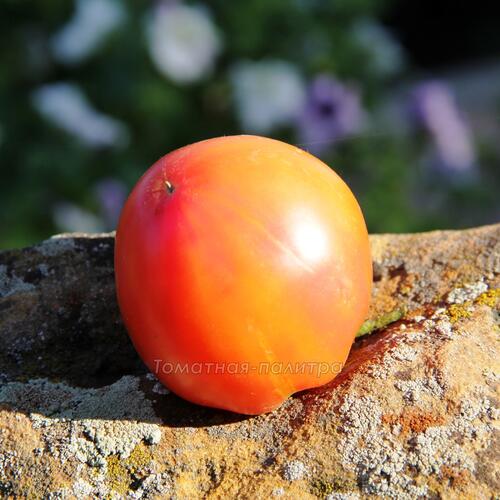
401 98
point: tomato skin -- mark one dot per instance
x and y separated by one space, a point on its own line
246 252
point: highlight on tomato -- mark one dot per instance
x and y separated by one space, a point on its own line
243 272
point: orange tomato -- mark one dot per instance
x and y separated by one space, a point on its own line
243 271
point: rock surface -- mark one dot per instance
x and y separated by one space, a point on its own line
412 414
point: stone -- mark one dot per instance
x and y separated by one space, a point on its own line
413 413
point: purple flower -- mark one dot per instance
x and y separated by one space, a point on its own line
110 195
433 107
332 112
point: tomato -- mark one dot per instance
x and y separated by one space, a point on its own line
243 272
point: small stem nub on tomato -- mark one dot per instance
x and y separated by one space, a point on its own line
169 187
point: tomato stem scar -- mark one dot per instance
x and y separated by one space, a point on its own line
169 187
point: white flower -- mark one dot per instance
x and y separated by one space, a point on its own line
71 218
268 93
83 34
66 106
183 41
386 54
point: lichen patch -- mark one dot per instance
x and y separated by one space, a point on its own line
11 284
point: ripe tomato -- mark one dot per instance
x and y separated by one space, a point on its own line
243 271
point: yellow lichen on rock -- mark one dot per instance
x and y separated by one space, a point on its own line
118 475
456 312
489 298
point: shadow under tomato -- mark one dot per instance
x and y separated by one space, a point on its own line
176 412
64 351
140 397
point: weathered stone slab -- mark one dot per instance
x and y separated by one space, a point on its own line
412 414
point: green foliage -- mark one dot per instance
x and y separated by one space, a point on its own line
42 164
